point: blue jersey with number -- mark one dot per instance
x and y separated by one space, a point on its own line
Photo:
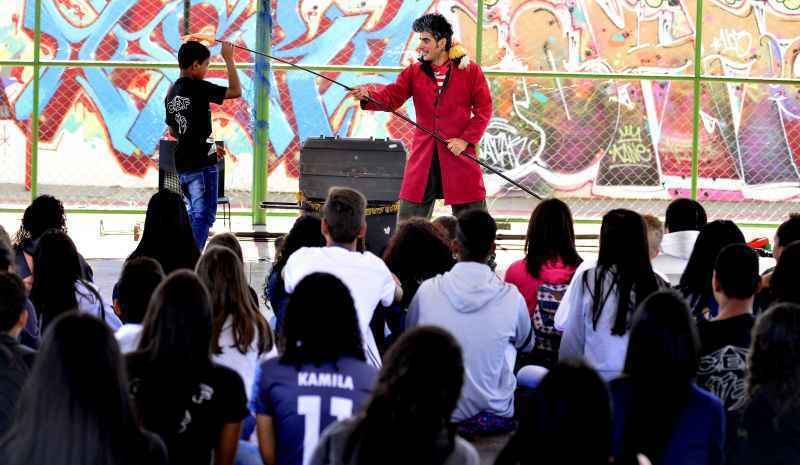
302 403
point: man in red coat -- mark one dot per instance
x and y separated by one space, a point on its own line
451 98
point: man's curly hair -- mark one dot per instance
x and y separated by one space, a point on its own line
436 25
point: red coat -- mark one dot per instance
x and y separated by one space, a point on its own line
464 110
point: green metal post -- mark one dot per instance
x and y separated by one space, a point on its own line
479 33
698 71
37 39
261 133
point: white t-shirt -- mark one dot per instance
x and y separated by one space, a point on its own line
128 337
244 364
368 278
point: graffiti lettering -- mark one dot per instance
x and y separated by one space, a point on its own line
179 104
503 146
738 42
629 149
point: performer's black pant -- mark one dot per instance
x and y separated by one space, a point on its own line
425 210
433 191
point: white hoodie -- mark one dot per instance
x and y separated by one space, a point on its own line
675 251
604 351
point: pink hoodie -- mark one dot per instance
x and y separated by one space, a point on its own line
552 272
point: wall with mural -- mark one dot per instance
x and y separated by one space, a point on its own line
617 138
578 138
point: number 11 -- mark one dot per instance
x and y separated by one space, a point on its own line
310 407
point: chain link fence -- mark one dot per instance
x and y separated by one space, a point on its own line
595 140
15 130
14 136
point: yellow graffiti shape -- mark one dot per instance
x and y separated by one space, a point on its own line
629 149
791 4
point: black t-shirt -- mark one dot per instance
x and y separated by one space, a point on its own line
723 364
723 358
218 398
189 117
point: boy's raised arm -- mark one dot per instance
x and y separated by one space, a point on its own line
234 86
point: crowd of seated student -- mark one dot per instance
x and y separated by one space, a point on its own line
196 375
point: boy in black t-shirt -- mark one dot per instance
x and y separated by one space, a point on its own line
189 120
725 340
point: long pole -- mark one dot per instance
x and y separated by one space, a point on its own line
386 108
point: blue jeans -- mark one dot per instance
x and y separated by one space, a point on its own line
200 194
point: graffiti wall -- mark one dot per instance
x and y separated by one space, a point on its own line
634 138
100 127
580 138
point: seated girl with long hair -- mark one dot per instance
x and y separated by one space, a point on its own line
194 404
320 377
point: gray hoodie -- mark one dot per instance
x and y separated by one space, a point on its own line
490 320
332 444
